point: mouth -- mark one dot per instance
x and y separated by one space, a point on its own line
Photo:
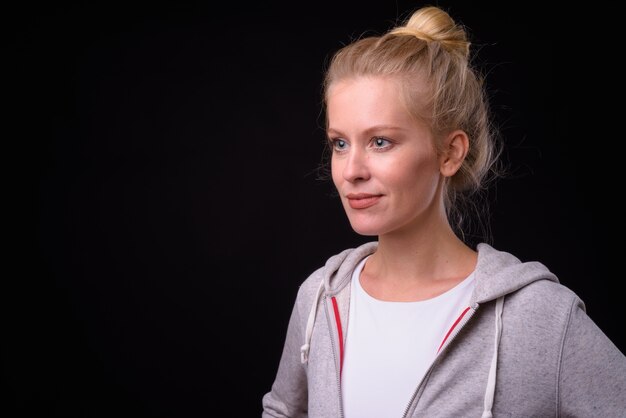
362 200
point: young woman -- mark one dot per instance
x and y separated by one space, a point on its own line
417 322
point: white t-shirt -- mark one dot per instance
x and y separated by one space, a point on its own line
390 345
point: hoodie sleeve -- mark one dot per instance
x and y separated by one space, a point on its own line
592 380
288 396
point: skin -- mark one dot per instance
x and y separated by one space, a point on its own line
390 179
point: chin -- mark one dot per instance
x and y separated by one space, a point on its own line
365 230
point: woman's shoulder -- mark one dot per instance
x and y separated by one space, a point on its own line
547 295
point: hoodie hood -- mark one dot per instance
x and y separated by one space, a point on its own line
338 268
497 273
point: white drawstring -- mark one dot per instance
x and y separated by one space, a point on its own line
491 382
304 349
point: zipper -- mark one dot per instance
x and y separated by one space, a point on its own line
335 350
451 338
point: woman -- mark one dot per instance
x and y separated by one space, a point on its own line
417 322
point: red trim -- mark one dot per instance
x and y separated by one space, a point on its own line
338 321
452 327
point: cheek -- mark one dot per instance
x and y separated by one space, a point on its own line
415 174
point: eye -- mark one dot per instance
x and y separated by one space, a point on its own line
380 142
338 144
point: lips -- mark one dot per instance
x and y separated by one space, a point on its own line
362 200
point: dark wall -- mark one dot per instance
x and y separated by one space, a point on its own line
171 152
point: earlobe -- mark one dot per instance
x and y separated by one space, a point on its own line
455 148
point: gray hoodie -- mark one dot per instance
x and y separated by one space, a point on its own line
524 348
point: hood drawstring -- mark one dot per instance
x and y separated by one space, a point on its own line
304 349
491 382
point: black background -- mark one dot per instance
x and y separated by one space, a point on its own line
168 155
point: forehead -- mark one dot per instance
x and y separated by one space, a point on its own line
367 101
364 87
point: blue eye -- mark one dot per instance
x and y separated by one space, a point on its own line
339 144
380 142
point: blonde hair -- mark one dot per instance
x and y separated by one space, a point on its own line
430 55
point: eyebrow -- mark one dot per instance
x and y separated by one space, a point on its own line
369 130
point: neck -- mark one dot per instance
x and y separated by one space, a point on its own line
417 265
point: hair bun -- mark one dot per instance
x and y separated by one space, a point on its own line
432 24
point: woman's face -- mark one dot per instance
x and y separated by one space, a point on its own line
384 163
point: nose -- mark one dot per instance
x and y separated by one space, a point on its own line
356 166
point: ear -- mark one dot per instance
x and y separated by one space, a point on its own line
455 148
